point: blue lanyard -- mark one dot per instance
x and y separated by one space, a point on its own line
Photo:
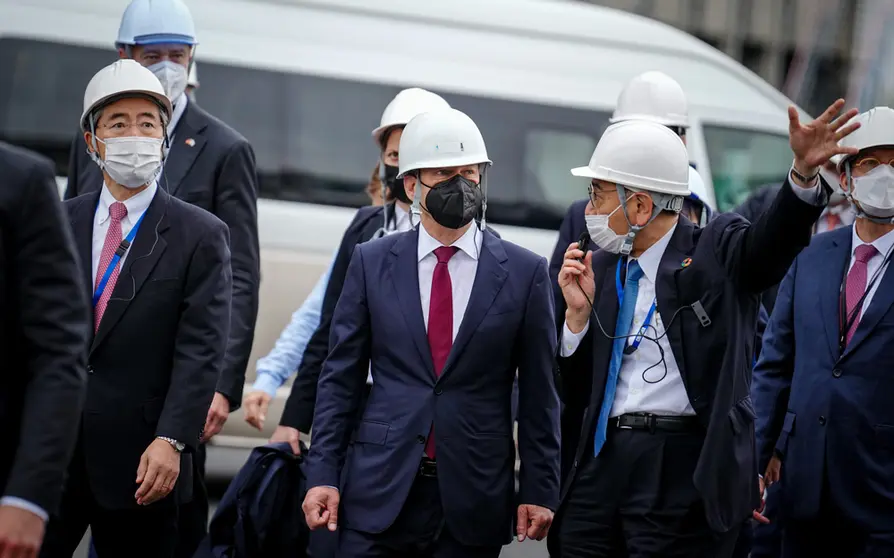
633 346
122 250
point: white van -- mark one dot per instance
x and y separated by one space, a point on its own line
306 80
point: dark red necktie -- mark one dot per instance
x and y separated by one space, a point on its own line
440 322
856 286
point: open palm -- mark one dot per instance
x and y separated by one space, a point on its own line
814 143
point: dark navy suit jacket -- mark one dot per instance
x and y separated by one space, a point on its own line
824 411
508 325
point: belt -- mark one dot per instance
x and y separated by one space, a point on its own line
653 423
427 468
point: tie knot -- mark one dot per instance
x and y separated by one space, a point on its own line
634 271
117 211
444 253
865 252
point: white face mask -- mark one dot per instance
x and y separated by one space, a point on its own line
603 235
875 191
132 161
173 78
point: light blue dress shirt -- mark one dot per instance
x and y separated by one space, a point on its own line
285 358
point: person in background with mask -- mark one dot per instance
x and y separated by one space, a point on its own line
664 466
160 285
369 223
823 384
444 314
211 166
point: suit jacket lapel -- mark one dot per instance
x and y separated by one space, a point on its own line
878 307
489 280
139 263
833 266
404 275
82 218
678 249
187 144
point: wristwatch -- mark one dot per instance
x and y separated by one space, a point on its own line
179 446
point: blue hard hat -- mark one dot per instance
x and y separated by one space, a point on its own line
152 22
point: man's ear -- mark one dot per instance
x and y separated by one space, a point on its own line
88 139
410 186
122 53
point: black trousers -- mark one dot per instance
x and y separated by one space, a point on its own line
833 533
146 532
418 532
637 500
193 516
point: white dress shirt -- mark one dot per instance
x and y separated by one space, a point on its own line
883 244
633 394
463 267
136 206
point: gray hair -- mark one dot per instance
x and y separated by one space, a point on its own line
98 111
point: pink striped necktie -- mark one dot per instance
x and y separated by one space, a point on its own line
856 286
117 212
440 322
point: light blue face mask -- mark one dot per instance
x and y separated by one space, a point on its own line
173 78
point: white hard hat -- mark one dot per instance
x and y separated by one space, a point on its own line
123 77
697 188
876 130
193 79
148 22
640 154
653 96
405 105
441 138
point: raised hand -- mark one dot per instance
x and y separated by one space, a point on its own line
814 143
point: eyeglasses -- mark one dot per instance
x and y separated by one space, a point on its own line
870 163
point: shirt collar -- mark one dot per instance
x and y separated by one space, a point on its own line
469 242
651 257
401 219
883 244
135 205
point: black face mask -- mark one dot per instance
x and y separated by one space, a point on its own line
454 203
394 185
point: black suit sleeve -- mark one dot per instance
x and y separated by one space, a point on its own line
538 423
71 189
54 329
201 339
757 256
236 204
299 410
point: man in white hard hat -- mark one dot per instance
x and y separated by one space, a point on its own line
657 345
444 314
44 317
158 272
823 384
211 166
369 222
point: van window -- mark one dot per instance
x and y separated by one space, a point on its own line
311 135
743 161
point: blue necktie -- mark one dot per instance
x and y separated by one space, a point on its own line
622 328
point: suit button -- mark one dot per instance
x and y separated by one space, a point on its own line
438 391
822 420
420 438
836 373
89 369
574 465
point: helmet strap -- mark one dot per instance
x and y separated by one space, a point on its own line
632 231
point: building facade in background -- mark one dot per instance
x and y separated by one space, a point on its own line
812 50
